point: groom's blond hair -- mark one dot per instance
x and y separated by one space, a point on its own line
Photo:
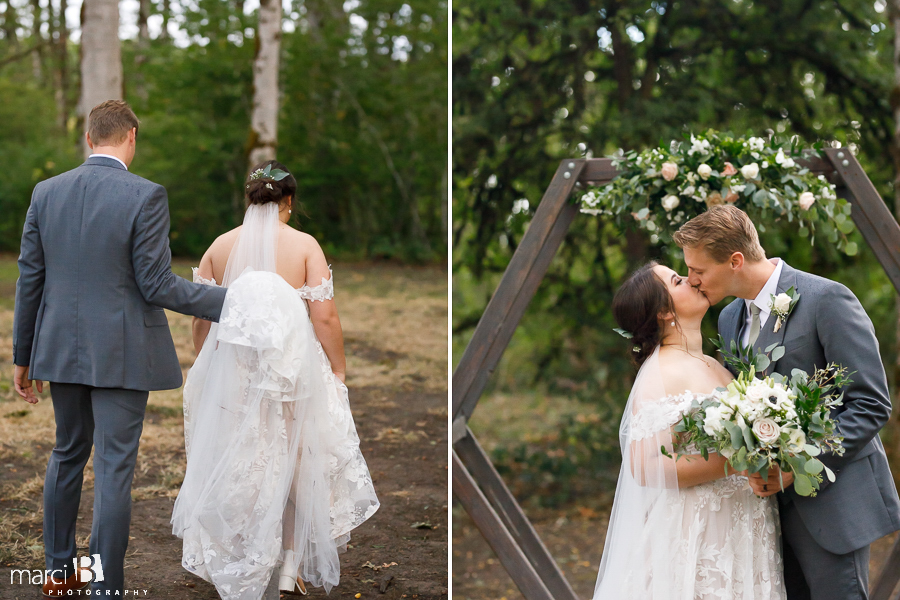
110 122
721 231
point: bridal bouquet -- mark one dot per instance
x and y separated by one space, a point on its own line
757 423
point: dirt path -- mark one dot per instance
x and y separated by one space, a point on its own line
395 323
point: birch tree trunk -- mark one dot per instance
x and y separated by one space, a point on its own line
101 56
264 120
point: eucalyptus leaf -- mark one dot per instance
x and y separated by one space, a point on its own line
802 484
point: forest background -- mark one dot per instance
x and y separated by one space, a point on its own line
361 113
538 82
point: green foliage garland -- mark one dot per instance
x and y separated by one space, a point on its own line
661 188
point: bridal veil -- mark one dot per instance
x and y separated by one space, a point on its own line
637 555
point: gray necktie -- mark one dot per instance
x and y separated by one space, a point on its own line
754 323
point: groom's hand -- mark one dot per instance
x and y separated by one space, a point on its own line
24 385
766 487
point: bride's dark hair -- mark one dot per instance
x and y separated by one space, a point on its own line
637 306
262 190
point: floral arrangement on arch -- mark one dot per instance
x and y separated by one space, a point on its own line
661 188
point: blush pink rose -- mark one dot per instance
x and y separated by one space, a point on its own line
767 431
729 170
669 171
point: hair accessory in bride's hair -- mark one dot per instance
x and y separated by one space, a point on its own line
627 335
268 173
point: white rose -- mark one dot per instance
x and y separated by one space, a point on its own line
806 200
704 171
782 303
766 430
670 202
788 163
779 158
750 171
688 191
797 441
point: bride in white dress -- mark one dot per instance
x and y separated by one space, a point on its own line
679 530
274 471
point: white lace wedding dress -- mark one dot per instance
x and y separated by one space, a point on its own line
274 470
715 540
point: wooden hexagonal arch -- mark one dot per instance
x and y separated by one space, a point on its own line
476 483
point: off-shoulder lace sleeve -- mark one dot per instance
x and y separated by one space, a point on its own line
321 292
656 416
200 279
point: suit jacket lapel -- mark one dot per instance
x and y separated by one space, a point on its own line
768 336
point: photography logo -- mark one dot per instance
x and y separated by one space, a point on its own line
87 570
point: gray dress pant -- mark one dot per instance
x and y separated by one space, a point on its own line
110 420
813 573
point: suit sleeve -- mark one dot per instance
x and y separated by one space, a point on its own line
29 287
152 260
848 339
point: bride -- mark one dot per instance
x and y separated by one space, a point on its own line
679 530
274 470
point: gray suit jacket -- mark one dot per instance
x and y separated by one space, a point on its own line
94 277
828 325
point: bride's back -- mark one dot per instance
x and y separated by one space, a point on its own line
293 250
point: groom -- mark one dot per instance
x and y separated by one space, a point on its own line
94 277
826 538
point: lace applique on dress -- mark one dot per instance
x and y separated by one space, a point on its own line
198 278
321 292
653 417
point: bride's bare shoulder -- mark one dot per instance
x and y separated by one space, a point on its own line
682 372
299 238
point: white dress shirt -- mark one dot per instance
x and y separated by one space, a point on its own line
763 300
109 156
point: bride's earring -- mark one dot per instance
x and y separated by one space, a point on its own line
673 323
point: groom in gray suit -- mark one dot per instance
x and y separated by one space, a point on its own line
826 538
94 277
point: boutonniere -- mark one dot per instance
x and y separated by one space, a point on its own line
782 305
